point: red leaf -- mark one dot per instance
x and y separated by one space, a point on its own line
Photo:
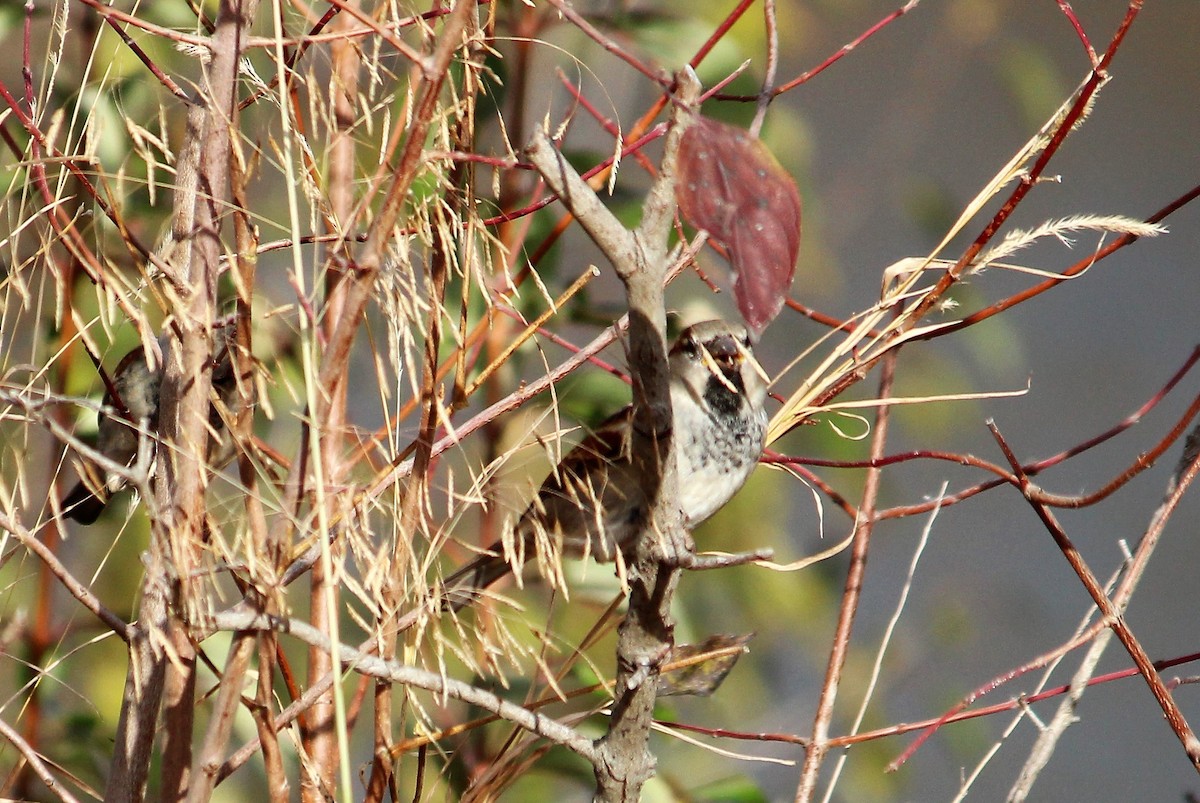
731 186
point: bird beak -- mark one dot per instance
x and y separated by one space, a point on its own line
724 349
723 357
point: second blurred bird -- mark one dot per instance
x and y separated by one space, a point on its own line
124 420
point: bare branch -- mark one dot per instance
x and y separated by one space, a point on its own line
396 672
35 761
1112 616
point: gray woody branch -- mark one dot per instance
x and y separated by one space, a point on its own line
243 619
153 683
623 761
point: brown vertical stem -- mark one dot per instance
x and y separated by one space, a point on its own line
220 726
264 719
178 520
435 69
448 231
863 527
179 695
319 732
204 774
143 691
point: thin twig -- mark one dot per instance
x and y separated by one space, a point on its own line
35 763
1112 616
77 589
851 594
396 672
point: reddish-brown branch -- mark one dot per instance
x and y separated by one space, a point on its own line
720 32
1142 462
594 33
1069 13
63 225
605 122
1074 270
958 711
144 58
851 594
946 719
801 467
1120 600
1063 127
844 51
823 318
1112 616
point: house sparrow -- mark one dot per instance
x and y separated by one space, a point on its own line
134 414
593 503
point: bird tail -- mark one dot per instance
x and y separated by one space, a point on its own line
82 504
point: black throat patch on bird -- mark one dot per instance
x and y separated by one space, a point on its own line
723 400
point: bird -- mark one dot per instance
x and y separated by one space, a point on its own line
593 503
133 414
